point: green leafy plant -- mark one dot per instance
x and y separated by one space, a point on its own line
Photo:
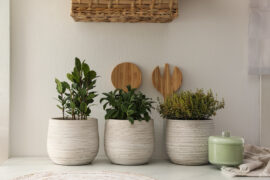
188 105
130 105
76 98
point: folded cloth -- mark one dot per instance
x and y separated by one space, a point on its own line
256 163
250 165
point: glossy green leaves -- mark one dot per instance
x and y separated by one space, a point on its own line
129 105
75 98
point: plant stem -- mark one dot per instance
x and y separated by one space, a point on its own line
63 107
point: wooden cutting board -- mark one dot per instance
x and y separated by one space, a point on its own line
167 84
126 74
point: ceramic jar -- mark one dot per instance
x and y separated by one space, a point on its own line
187 141
226 150
129 144
73 142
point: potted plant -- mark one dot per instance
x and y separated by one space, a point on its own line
129 129
189 125
73 138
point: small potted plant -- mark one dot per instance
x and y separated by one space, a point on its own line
189 125
73 138
129 129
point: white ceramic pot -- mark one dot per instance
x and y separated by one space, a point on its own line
187 141
129 144
73 142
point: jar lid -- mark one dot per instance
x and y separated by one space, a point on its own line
225 138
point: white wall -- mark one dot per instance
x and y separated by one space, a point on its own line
208 42
265 113
4 79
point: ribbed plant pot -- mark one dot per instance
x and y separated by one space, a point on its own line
73 142
129 144
187 141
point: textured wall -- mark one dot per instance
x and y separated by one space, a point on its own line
208 42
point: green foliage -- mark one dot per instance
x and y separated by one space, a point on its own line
129 105
75 98
188 105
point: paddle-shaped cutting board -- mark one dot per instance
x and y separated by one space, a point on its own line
126 74
167 84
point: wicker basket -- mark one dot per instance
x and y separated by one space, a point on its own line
156 11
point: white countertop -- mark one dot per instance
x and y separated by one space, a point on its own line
158 169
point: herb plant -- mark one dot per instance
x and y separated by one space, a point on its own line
76 98
130 105
189 105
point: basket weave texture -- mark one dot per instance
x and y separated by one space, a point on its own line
155 11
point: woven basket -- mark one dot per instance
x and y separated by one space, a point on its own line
156 11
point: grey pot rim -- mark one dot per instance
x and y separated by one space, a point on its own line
128 120
191 120
61 119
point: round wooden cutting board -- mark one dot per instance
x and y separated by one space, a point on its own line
126 74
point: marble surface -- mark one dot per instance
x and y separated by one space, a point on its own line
158 169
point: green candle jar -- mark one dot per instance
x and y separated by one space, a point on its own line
225 150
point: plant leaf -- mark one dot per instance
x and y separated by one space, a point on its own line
59 86
78 64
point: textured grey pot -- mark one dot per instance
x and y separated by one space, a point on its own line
73 142
129 144
187 141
